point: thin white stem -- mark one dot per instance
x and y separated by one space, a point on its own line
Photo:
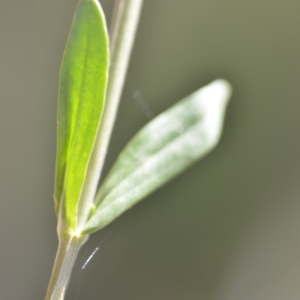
68 248
125 21
124 26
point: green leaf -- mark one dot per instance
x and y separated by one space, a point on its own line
83 80
161 150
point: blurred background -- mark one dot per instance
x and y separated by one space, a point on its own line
229 227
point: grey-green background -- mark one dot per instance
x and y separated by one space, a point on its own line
229 228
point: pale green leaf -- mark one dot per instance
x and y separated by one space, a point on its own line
83 79
161 150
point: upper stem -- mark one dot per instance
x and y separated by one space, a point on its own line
122 34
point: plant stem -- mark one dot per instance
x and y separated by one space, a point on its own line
66 255
122 34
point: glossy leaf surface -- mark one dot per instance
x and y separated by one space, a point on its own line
161 150
83 79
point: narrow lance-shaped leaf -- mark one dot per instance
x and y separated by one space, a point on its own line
161 150
83 79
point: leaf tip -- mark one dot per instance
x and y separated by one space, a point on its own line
214 99
218 92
